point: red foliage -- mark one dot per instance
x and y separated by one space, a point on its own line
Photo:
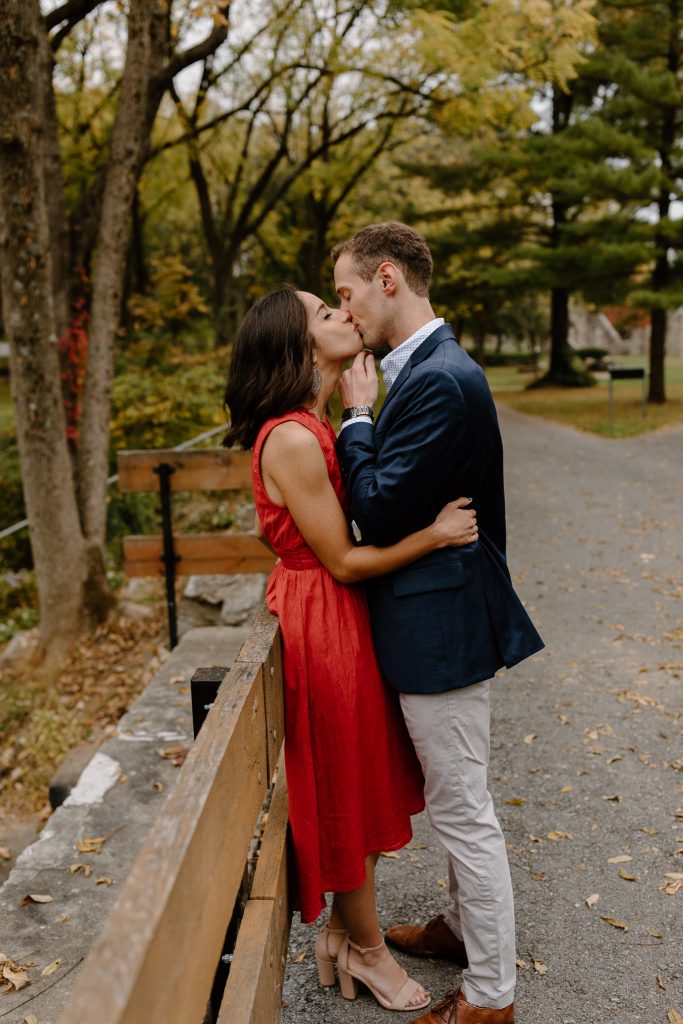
73 354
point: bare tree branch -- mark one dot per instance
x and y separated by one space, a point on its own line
201 50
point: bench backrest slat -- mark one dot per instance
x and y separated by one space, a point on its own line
208 469
201 554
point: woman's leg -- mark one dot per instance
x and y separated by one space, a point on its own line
357 912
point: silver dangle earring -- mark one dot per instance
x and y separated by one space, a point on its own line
317 382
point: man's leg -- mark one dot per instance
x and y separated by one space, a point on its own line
450 732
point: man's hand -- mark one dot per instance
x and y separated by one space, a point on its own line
359 384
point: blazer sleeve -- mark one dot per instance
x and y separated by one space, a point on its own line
399 488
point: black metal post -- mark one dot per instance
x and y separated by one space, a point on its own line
169 557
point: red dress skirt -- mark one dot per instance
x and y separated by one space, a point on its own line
352 774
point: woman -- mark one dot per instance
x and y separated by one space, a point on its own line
352 774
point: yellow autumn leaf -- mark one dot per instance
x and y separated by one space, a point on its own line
38 898
540 967
622 858
531 737
51 968
516 801
674 1017
566 789
660 981
560 835
626 876
615 922
673 887
298 959
30 1019
676 875
105 880
391 855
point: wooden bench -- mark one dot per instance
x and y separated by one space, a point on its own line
159 951
167 471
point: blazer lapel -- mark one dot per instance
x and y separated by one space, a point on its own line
442 333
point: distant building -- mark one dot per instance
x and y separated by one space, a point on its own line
621 330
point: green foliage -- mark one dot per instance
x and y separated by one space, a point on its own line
18 603
161 406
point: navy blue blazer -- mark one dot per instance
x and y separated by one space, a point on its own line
452 618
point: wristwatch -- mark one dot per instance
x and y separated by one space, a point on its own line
357 410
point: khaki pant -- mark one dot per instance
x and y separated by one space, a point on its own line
450 732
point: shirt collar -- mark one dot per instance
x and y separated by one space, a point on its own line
393 363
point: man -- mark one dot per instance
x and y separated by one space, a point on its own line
445 624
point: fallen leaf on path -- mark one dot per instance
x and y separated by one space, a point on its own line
613 758
51 968
566 789
105 880
522 965
516 801
91 844
620 859
615 922
391 855
299 959
535 839
417 846
531 737
35 898
660 981
560 835
64 918
592 900
674 1017
15 976
540 967
176 754
441 882
655 935
159 786
625 875
673 887
31 1019
616 798
4 853
122 778
650 831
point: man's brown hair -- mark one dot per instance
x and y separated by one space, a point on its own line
390 242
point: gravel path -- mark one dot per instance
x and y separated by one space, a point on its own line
587 745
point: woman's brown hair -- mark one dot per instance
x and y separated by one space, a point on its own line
271 370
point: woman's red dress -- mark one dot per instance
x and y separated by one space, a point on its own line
352 773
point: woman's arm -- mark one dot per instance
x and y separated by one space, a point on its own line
294 466
260 532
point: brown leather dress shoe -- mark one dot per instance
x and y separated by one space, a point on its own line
434 940
455 1009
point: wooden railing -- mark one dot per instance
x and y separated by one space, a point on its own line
167 471
158 954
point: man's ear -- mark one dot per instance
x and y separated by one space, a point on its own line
388 277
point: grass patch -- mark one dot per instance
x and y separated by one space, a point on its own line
587 408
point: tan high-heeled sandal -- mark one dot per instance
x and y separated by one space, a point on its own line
348 981
325 955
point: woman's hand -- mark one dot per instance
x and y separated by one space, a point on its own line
456 525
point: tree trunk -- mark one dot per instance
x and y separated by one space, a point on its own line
480 345
130 137
560 357
59 552
658 325
226 306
